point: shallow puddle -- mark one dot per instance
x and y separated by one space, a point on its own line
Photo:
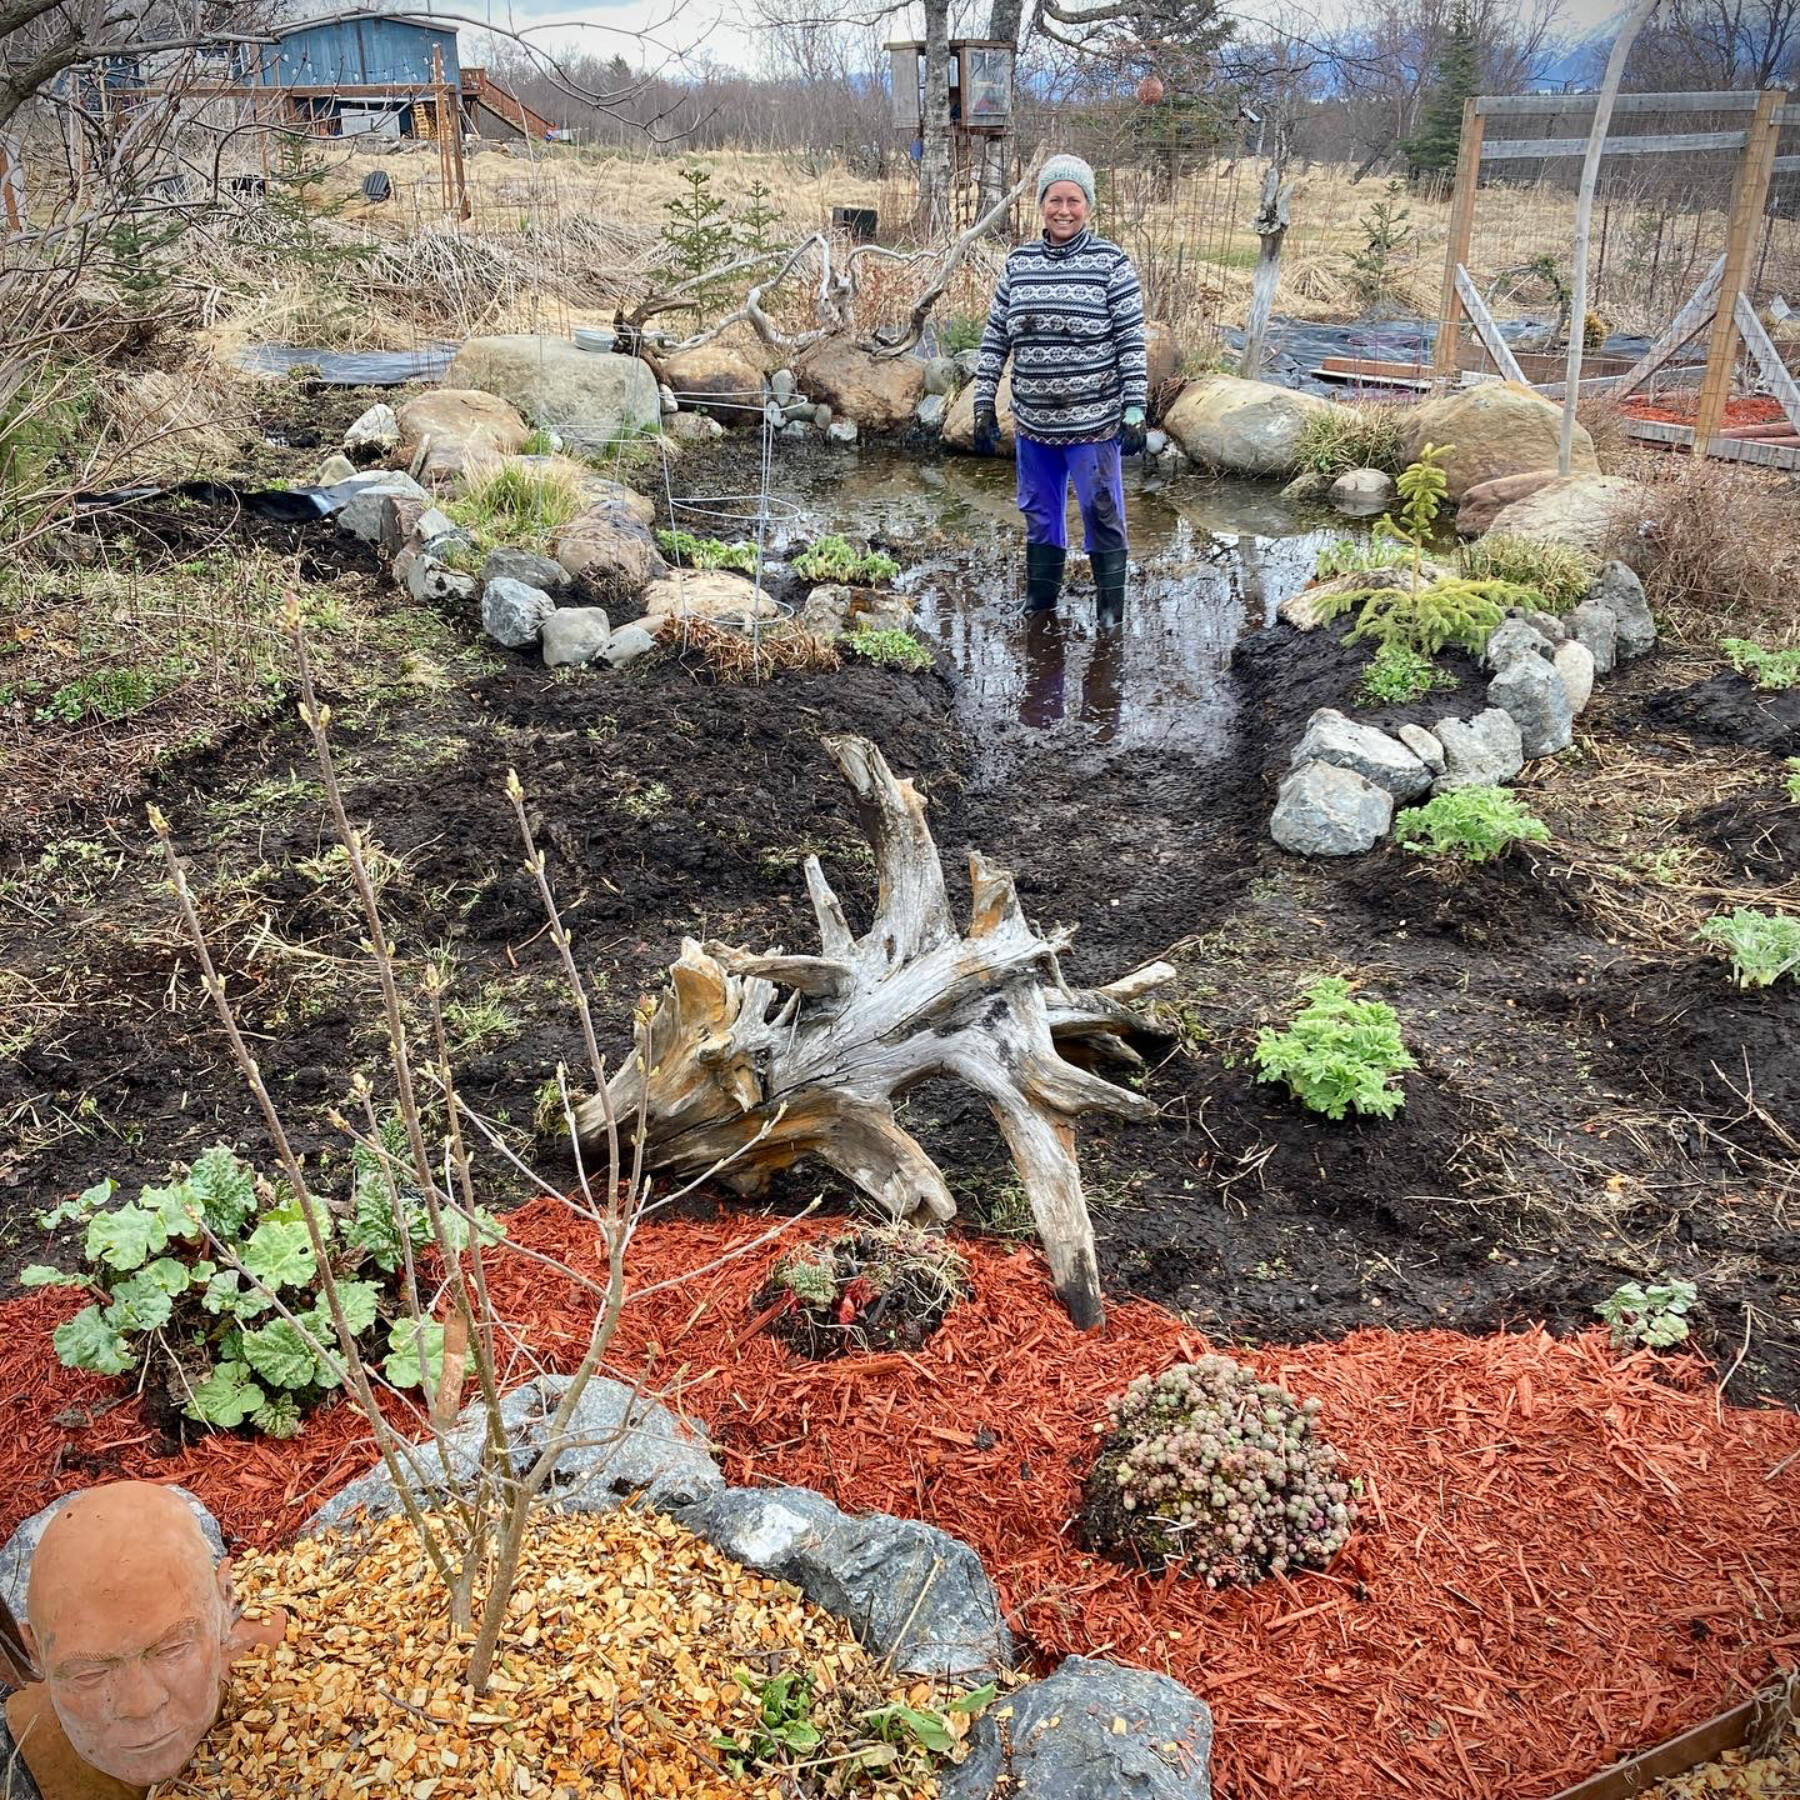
1210 561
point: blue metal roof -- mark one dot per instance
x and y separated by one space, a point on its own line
360 49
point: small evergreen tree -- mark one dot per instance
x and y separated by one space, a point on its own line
134 245
697 232
756 223
1456 78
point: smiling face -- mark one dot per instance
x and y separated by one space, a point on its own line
130 1623
1065 210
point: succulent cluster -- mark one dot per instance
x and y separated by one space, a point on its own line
871 1287
1207 1466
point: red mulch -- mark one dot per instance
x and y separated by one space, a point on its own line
1679 407
1564 1555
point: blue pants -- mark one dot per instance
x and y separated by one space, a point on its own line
1045 471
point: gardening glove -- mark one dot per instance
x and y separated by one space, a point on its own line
987 431
1131 432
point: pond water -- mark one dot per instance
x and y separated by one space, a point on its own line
1210 562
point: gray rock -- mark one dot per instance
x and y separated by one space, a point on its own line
781 385
1531 690
1423 745
1622 594
1309 484
1092 1731
1514 637
512 613
841 431
1155 442
799 408
822 416
1546 624
1484 751
1597 627
931 412
1325 810
18 1550
941 377
574 636
627 644
360 514
1575 664
967 363
375 433
827 610
666 399
1331 737
335 468
617 1444
695 428
797 429
914 1594
429 579
591 397
509 564
435 523
1362 492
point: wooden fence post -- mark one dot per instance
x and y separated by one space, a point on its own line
1749 198
1462 228
1270 225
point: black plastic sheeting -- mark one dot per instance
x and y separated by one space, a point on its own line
351 368
288 506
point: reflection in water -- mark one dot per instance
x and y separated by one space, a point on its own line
1209 563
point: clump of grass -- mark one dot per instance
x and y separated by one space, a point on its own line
1792 782
1559 575
780 648
518 503
892 649
1358 437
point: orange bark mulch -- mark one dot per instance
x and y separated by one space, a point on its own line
1563 1555
1679 408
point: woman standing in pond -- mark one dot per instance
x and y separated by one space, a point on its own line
1069 313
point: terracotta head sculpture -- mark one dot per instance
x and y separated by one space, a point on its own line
133 1627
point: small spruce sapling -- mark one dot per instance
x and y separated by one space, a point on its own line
1340 1055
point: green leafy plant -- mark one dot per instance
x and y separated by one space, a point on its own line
693 552
835 558
189 1274
783 1728
108 695
1792 782
1653 1317
1472 824
1763 947
1398 673
1557 576
1340 1054
893 649
1352 437
902 1726
1771 670
1206 1465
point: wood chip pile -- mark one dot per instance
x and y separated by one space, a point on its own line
1741 1775
618 1666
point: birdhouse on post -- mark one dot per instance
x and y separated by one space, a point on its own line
981 86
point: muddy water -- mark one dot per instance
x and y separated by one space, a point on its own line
1209 562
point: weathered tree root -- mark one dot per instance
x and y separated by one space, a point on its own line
739 1071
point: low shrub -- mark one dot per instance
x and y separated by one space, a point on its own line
835 558
1473 824
1774 671
893 648
1762 947
1359 437
1652 1318
162 1299
1206 1466
879 1287
1340 1054
1557 576
1397 674
690 552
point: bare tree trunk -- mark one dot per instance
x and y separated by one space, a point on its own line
762 1060
934 150
1271 225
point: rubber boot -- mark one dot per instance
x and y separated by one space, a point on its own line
1109 584
1043 577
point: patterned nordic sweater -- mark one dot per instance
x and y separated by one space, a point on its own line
1072 319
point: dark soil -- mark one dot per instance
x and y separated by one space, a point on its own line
1758 835
1731 709
1571 1124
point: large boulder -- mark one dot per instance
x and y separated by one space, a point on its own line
1580 511
1530 689
373 435
919 1599
574 636
959 420
616 1444
610 543
1495 429
1330 737
361 512
880 393
514 614
1484 751
1243 427
1092 1731
462 423
1325 810
715 595
592 398
1482 504
719 381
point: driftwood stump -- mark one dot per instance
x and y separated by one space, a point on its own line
767 1059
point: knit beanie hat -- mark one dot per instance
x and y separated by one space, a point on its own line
1065 168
